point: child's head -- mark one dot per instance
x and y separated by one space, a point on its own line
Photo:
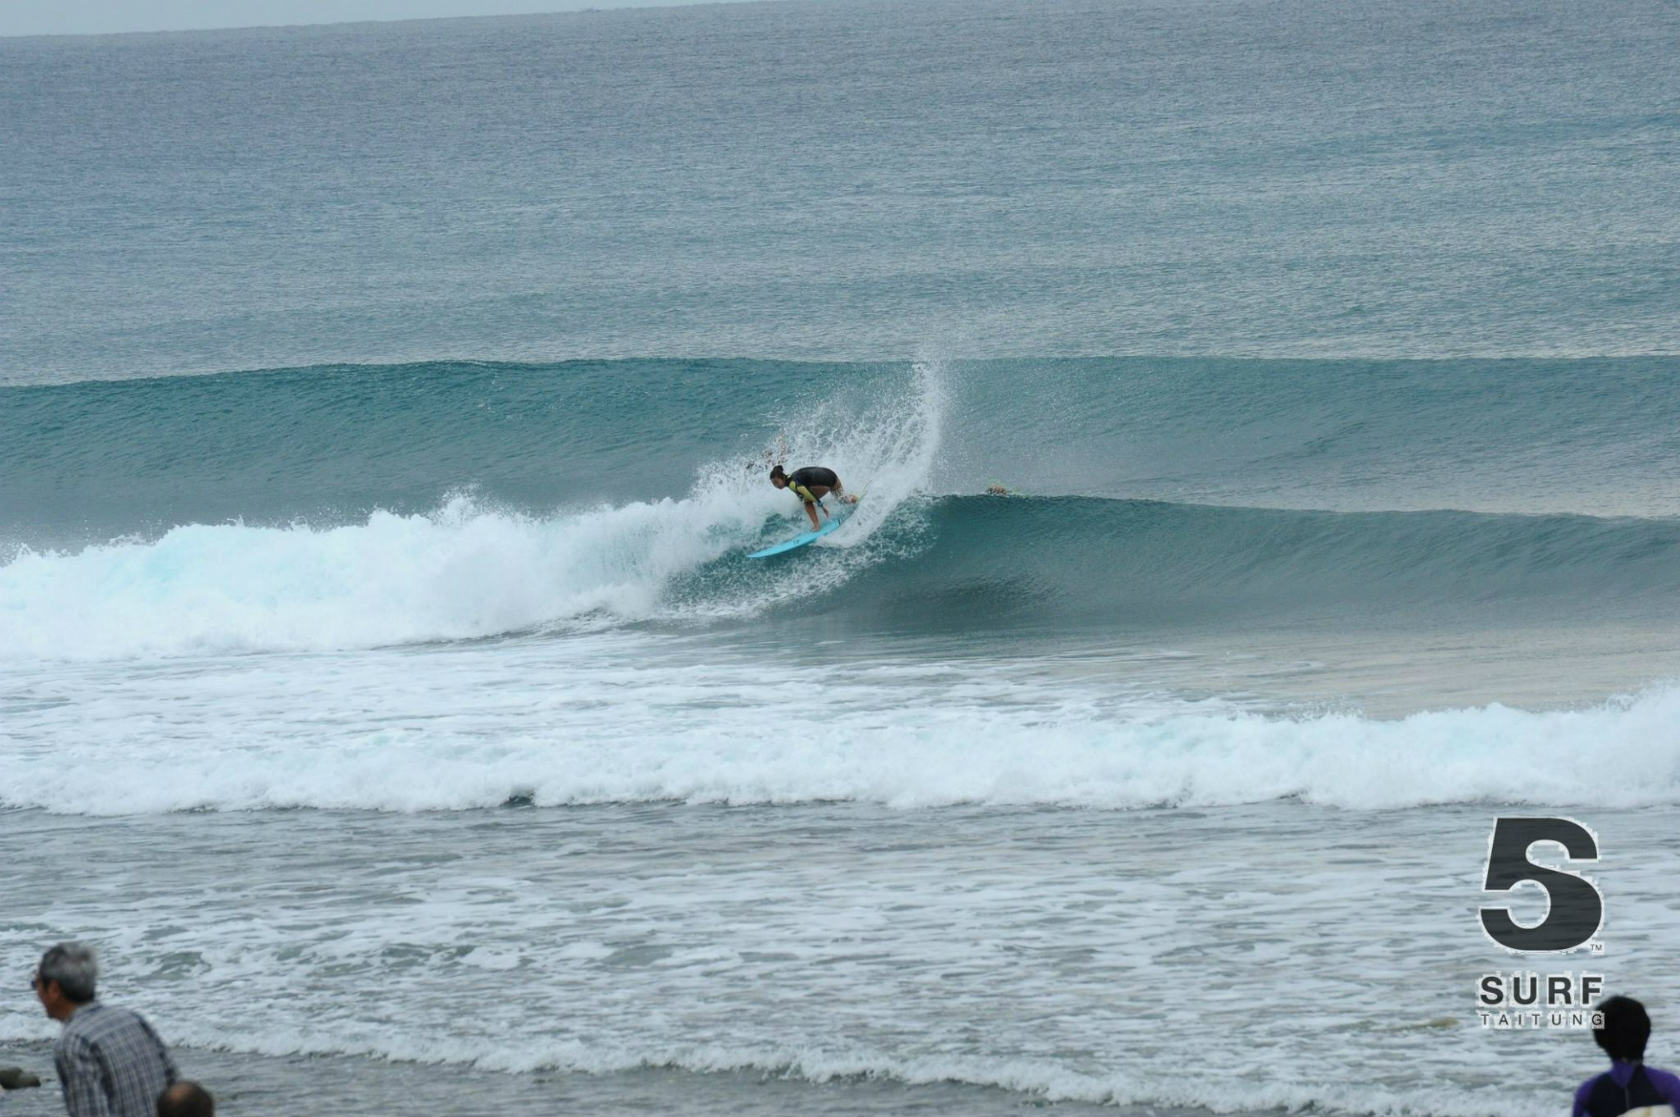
1624 1030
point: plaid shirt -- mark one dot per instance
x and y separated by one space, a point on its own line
111 1064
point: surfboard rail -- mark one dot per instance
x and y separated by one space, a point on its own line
836 518
796 542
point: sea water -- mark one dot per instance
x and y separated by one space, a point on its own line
384 419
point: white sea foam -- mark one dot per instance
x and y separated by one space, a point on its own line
615 717
462 572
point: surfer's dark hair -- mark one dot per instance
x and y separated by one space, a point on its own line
1625 1029
777 471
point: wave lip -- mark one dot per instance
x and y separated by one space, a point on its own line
460 573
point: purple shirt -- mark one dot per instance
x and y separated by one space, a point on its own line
1665 1084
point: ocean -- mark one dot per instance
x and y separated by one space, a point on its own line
385 415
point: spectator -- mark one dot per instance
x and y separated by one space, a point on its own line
186 1099
1629 1084
110 1062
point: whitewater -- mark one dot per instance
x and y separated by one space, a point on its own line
913 772
385 419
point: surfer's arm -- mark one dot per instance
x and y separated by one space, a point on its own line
811 501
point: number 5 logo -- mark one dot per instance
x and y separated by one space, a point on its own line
1575 911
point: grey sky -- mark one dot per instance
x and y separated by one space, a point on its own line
84 17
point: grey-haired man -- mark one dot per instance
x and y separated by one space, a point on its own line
110 1061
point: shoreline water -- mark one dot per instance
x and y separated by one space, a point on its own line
363 1087
878 952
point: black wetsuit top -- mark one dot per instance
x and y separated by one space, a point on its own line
814 475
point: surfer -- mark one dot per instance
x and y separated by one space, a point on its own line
1623 1027
810 485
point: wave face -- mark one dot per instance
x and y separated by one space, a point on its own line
1064 562
90 461
954 564
342 508
333 444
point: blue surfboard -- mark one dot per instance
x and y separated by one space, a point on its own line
797 541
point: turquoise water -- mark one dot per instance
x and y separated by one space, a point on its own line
384 419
